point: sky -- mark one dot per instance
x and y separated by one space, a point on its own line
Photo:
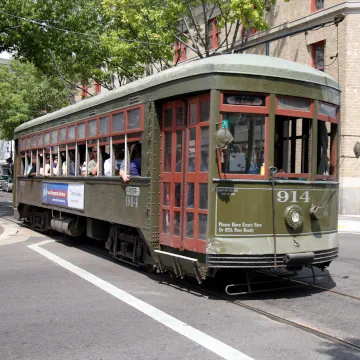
5 55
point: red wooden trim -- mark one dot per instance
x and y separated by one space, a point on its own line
313 6
326 177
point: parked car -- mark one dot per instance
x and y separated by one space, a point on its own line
8 185
3 180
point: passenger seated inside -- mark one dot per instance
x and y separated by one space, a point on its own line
56 166
45 171
31 170
135 163
119 157
92 166
71 157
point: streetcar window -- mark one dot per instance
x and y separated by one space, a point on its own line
71 133
62 135
54 137
90 168
202 226
204 111
192 150
68 165
204 143
33 141
118 122
133 119
40 140
104 157
104 125
245 155
81 131
47 138
81 160
91 128
325 148
292 145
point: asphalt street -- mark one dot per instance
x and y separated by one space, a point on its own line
61 301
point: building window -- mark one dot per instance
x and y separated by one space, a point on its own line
181 51
248 31
213 35
318 55
317 5
84 91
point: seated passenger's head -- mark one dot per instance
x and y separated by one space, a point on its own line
119 153
93 153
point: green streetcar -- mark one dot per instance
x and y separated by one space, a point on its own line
239 158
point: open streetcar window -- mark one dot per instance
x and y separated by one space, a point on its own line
245 155
292 146
327 141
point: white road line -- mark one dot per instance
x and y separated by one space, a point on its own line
349 232
210 343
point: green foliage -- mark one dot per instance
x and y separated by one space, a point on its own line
25 94
79 53
164 22
126 38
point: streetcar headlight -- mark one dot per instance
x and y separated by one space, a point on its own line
294 216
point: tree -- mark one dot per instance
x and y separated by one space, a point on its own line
70 29
26 93
158 24
93 40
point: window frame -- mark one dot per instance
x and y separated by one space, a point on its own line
290 112
314 7
314 46
87 121
334 123
246 109
334 120
214 34
295 114
67 133
65 141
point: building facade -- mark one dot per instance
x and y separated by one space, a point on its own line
334 49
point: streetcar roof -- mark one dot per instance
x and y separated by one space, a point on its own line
245 64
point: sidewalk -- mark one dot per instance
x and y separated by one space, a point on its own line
349 223
11 232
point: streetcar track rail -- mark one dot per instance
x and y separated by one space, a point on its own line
192 288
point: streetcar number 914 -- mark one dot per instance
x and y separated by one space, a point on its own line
292 196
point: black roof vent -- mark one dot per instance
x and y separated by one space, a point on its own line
134 100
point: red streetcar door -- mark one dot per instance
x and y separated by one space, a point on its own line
184 173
